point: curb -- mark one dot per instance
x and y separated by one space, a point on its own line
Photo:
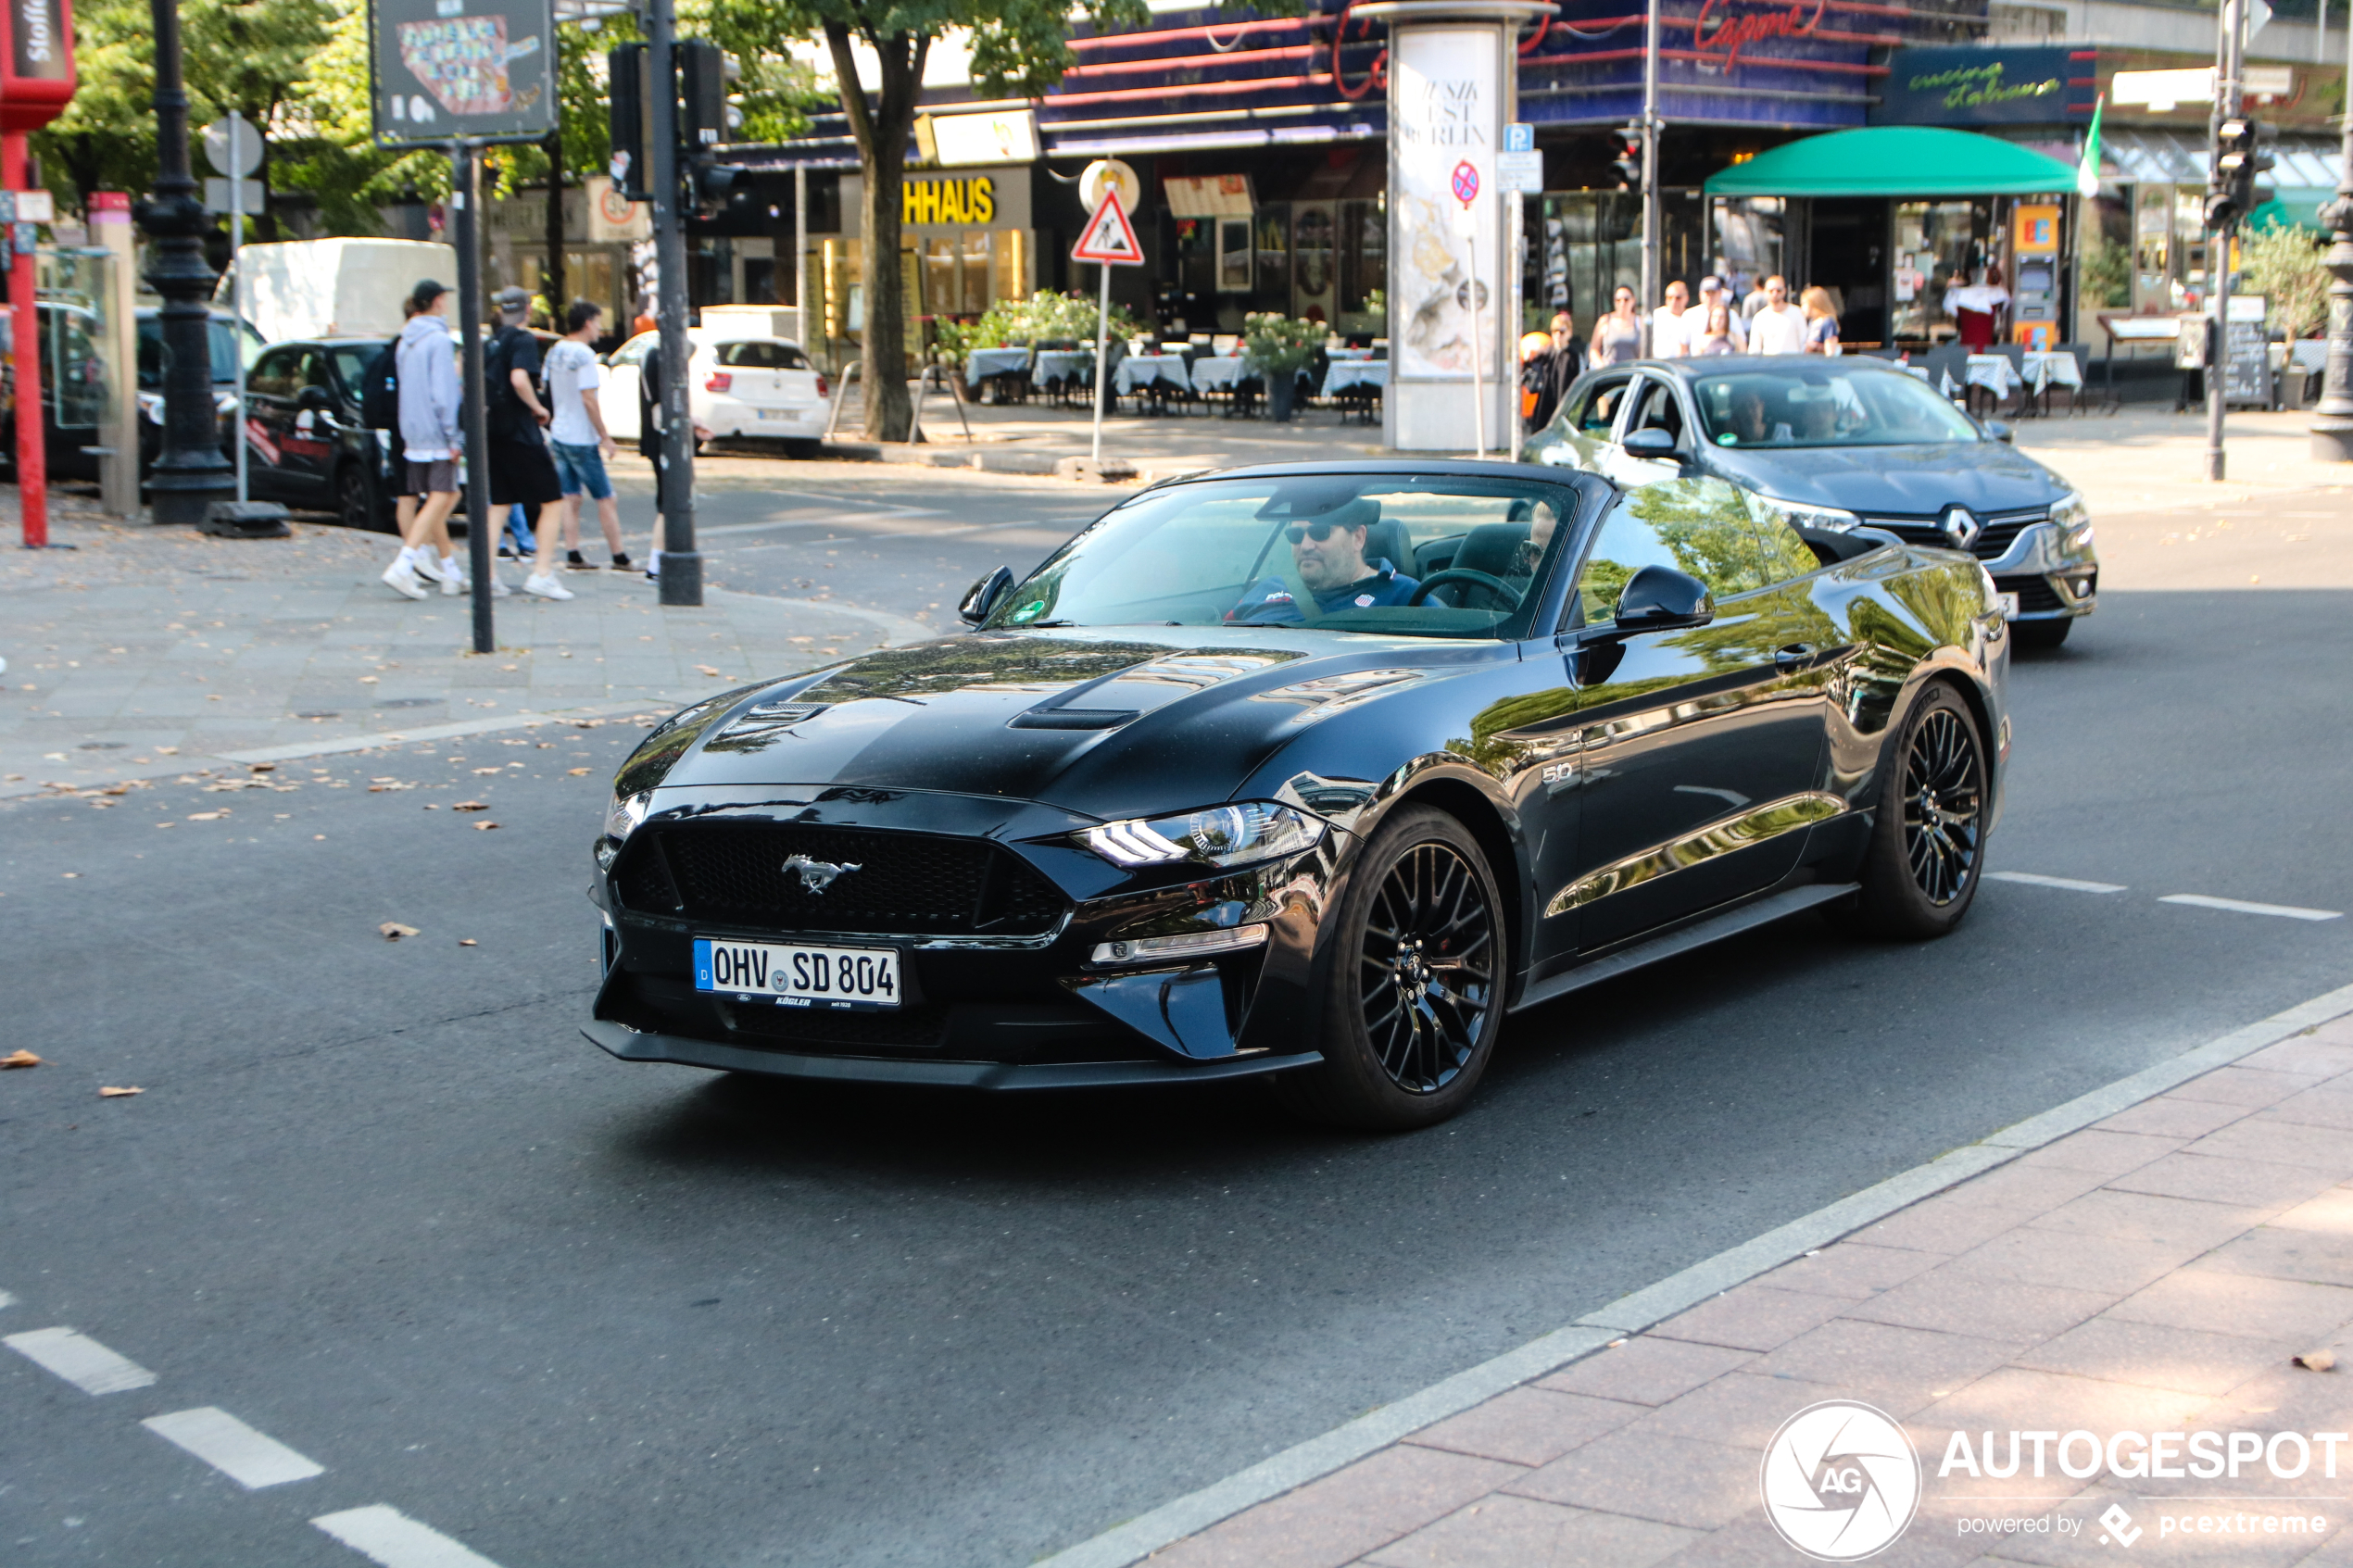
1320 1456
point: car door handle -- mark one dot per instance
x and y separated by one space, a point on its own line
1792 655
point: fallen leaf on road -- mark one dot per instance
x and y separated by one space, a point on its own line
206 816
465 942
394 931
705 669
367 680
489 771
167 751
263 767
575 773
110 1092
2316 1360
21 1059
429 806
471 806
801 639
386 788
485 827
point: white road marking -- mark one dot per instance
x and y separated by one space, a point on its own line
2034 879
2241 907
253 1459
387 1536
79 1359
7 1300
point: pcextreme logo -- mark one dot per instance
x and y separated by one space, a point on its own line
1841 1481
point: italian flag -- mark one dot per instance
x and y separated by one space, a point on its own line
2087 173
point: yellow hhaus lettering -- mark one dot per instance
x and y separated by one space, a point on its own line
949 201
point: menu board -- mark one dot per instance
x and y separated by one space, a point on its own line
447 69
2247 361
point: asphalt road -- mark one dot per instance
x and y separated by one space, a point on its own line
382 1201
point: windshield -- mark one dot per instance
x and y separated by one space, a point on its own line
1399 555
1825 405
153 358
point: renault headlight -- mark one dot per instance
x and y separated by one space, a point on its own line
1216 836
1801 514
2073 516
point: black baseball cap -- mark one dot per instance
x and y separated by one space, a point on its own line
426 292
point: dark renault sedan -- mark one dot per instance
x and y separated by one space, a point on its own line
1314 772
1845 444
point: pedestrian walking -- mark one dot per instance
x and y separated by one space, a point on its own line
577 437
1618 337
426 364
521 468
1713 291
1718 333
650 447
1549 373
1780 328
1672 322
1821 322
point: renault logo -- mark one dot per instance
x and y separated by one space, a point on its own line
816 875
1962 527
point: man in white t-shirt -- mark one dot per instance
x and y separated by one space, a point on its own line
576 435
1780 327
1671 324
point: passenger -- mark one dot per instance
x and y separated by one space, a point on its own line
1329 552
1542 522
1817 420
1748 417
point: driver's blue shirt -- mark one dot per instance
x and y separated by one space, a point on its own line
1269 601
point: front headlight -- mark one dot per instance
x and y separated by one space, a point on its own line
1216 835
1800 514
625 812
2073 516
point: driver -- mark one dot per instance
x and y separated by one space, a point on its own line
1328 553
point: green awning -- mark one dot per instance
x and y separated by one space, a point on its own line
1896 160
2293 206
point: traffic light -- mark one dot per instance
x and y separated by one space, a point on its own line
719 186
2239 156
701 70
1625 156
703 94
631 118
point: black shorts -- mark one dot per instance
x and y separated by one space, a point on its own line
524 473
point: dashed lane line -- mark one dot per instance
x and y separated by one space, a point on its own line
7 1300
2241 907
253 1459
386 1535
2071 884
79 1359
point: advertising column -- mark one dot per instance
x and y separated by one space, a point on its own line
1452 91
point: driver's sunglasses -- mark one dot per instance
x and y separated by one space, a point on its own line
1319 532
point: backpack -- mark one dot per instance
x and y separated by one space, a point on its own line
502 409
380 389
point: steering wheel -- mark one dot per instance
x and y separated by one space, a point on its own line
1464 575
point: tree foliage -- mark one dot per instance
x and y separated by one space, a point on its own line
2285 265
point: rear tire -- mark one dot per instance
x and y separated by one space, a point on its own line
1416 997
2040 636
1928 844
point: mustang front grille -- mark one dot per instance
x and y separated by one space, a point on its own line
840 879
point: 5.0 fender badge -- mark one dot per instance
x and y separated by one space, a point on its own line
816 875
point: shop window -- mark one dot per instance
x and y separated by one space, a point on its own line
1935 243
1749 242
1233 255
1363 258
1270 245
1592 243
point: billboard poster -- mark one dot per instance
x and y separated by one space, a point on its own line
447 69
1445 112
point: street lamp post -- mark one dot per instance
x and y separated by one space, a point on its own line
2333 431
191 473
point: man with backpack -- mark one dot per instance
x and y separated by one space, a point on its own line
425 376
521 470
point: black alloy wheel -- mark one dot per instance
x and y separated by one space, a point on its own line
1416 996
1919 874
354 507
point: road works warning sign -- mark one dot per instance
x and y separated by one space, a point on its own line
1109 238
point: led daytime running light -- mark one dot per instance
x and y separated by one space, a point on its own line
1191 944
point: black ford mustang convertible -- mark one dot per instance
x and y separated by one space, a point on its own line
1314 772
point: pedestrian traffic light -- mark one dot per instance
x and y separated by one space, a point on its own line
2239 156
719 186
702 96
1625 156
629 115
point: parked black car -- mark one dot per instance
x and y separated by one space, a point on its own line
305 445
1843 445
1178 809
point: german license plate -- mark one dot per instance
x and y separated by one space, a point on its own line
838 978
2009 606
781 413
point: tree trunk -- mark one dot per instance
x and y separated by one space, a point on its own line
882 129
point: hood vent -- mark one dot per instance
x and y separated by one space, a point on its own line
1073 718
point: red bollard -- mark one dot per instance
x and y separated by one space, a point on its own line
33 454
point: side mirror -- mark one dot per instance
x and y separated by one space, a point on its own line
983 596
1660 598
1999 429
1655 445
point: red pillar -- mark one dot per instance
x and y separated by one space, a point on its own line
32 456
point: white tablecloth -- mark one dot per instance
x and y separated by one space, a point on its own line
1142 369
1218 372
982 363
1345 373
2051 368
1064 365
1994 373
1350 354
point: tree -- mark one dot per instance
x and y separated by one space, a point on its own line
2287 266
1019 48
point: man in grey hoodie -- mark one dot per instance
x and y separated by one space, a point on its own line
430 434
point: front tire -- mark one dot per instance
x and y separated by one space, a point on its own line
1928 845
1415 994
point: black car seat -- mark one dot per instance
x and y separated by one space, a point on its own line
1385 539
1436 555
1493 548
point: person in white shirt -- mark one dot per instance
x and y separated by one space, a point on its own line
1713 291
1670 331
1780 328
576 435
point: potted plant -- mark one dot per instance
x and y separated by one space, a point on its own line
1278 347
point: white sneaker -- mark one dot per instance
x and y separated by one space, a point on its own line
401 578
544 585
425 565
501 591
453 577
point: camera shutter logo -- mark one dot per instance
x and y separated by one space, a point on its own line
1841 1481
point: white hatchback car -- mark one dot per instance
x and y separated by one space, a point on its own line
736 385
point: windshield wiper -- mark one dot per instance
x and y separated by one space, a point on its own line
1040 625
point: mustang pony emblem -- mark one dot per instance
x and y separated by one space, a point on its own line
816 875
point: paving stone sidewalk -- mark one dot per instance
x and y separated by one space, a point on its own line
2154 1272
144 650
